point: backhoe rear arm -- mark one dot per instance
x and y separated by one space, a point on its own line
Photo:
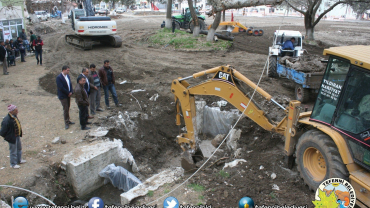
223 85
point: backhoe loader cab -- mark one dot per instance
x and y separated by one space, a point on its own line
343 102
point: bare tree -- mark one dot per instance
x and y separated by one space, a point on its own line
169 14
194 19
309 9
215 24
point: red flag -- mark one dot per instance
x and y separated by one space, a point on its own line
155 8
232 17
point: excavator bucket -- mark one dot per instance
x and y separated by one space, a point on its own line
187 162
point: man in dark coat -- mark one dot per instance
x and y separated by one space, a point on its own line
82 102
3 55
65 90
11 130
87 85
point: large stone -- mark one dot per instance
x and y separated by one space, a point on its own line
84 164
152 184
207 148
217 140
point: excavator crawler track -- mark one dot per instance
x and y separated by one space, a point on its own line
86 43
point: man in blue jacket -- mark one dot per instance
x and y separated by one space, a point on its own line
65 90
288 45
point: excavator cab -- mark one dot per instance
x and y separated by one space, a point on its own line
343 103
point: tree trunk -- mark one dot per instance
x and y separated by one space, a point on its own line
169 15
194 18
223 16
308 22
216 22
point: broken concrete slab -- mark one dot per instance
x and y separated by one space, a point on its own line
152 184
100 132
207 148
84 163
232 141
199 105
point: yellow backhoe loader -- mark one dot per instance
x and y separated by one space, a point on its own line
331 141
237 27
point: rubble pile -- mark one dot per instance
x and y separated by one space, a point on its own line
306 63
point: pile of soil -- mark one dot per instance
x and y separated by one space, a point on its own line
305 63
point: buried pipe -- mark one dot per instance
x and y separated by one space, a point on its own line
223 37
29 192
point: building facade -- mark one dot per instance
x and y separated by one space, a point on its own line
12 20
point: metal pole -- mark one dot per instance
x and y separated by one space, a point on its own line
277 104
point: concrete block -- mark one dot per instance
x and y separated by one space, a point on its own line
151 184
4 205
83 164
100 132
232 141
207 148
199 115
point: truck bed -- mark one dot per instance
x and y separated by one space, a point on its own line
307 80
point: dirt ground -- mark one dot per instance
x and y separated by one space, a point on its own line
32 88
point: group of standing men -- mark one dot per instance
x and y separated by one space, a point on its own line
87 91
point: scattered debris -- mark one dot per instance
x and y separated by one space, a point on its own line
306 63
233 163
261 167
238 152
275 187
56 140
273 175
139 90
154 97
63 141
123 82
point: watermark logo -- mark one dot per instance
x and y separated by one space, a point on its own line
335 192
246 202
96 202
171 202
20 202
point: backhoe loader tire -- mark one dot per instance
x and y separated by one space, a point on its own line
256 33
302 94
272 67
249 32
318 159
260 32
202 25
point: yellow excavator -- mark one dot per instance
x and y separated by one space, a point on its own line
331 141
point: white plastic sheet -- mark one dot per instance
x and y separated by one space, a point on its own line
217 122
119 177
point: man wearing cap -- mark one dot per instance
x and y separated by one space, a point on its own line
11 130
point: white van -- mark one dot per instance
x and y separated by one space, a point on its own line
42 15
